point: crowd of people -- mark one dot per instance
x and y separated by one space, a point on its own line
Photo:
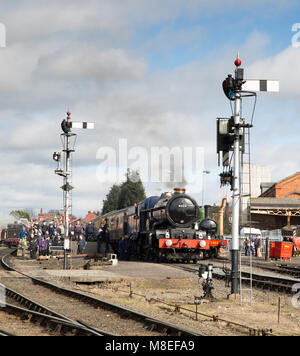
38 238
253 245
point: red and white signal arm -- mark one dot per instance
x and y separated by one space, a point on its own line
261 85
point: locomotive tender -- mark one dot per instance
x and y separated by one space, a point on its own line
164 228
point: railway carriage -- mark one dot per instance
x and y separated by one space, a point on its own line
163 228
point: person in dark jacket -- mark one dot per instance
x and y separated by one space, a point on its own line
89 231
122 249
77 231
106 239
99 238
51 230
81 245
33 246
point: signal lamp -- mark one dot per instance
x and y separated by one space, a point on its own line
56 156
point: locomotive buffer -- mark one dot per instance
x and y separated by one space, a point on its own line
67 188
230 137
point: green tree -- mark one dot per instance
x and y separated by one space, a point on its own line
18 214
112 199
132 190
126 194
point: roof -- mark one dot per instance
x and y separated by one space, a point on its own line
275 203
265 185
89 217
289 177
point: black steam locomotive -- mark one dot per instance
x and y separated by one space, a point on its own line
163 228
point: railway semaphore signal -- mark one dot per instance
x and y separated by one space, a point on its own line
67 125
230 138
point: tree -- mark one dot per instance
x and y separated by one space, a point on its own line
132 190
126 194
112 199
18 214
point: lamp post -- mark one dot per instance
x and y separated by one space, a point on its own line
203 172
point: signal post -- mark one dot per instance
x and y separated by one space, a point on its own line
67 135
230 138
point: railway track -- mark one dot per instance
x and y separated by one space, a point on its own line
259 280
285 269
127 322
54 323
275 267
5 333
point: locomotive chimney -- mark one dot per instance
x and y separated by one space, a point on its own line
179 190
207 209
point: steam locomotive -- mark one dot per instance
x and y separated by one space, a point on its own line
165 228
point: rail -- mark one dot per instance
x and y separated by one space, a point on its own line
161 326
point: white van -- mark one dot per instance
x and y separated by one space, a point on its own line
248 231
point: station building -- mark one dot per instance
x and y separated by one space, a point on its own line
278 205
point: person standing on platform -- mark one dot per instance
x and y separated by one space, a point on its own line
42 247
33 247
258 246
24 245
89 231
22 233
77 231
247 246
81 245
99 236
252 245
121 249
107 238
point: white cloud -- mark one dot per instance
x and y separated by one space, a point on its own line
79 54
282 66
87 63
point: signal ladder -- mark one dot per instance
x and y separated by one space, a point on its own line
245 205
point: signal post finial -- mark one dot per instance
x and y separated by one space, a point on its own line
238 62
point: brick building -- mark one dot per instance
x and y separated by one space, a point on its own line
278 205
52 217
286 188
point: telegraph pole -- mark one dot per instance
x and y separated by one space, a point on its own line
66 126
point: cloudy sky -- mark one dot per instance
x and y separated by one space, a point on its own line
149 72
